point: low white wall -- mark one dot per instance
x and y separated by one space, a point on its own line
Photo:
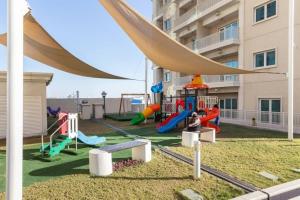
70 105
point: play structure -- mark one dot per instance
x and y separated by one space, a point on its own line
195 99
158 88
131 96
176 109
148 111
64 135
52 112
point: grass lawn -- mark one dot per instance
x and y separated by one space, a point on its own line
241 152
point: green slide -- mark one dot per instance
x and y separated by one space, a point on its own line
138 119
58 145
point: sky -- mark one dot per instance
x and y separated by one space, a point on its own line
86 30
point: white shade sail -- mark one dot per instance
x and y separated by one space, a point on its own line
160 48
40 46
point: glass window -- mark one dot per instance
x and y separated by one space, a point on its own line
266 58
232 63
276 105
265 11
222 103
271 9
260 60
168 24
271 58
167 76
260 13
264 105
228 104
229 31
234 104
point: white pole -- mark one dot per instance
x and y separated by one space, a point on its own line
146 84
291 70
14 147
197 160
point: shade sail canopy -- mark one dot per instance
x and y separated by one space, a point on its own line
40 46
159 47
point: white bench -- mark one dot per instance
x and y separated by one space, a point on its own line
206 134
100 160
189 138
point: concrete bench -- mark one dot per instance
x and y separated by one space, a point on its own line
100 160
188 138
206 134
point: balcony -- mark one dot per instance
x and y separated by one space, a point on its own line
213 81
217 81
202 9
215 41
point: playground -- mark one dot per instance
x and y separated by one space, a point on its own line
172 142
240 152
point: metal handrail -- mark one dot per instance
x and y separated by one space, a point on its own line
48 129
51 136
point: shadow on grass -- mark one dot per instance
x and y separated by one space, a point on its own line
67 168
63 169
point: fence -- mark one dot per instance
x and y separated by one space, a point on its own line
260 119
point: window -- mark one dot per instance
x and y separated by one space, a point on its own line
265 59
229 107
229 78
228 103
270 110
167 25
265 11
229 31
167 76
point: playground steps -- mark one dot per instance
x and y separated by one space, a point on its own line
58 145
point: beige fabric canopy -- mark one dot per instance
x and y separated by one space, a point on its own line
159 47
40 46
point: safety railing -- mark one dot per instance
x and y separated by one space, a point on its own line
217 38
181 81
260 119
193 13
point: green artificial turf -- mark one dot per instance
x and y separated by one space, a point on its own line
36 169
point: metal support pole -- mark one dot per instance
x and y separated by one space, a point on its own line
14 159
197 160
146 84
77 101
291 70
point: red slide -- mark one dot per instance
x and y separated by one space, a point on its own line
211 114
167 120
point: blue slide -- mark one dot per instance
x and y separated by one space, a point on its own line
90 140
173 122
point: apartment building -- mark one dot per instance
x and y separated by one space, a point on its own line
248 34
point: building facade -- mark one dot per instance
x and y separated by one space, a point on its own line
246 34
35 103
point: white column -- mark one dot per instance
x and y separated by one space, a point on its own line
146 84
197 160
14 163
291 69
